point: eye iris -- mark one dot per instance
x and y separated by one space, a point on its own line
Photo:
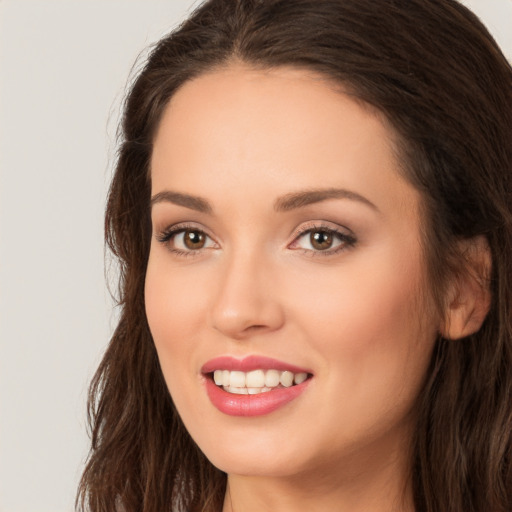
194 239
321 240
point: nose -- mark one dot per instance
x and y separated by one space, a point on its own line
247 302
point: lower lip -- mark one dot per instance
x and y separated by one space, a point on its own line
252 405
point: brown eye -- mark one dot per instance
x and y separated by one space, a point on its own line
321 240
186 240
194 239
325 241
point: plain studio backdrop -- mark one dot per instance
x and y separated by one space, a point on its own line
64 66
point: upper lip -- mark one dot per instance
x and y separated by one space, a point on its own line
248 364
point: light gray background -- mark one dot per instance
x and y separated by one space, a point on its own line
63 69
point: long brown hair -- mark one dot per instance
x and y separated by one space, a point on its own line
432 69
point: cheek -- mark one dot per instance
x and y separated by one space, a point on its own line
370 322
174 312
174 299
375 349
364 296
172 306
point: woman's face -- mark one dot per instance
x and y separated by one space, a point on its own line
286 246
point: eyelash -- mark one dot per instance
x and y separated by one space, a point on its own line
166 236
346 240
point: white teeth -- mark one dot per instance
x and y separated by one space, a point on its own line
237 379
272 378
256 381
217 377
300 378
286 379
237 390
255 391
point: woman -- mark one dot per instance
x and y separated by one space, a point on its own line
312 211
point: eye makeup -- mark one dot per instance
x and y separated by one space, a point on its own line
323 239
186 239
314 239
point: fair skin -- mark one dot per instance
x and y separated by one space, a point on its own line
331 282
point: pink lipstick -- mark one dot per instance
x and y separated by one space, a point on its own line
254 385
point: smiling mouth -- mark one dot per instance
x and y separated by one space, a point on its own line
256 381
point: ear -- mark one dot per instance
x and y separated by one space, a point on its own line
469 295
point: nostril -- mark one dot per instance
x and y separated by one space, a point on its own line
255 327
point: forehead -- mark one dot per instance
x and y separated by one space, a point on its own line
287 127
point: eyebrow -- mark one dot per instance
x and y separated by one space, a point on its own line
192 202
304 198
285 203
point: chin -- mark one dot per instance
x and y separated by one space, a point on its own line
249 451
255 464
